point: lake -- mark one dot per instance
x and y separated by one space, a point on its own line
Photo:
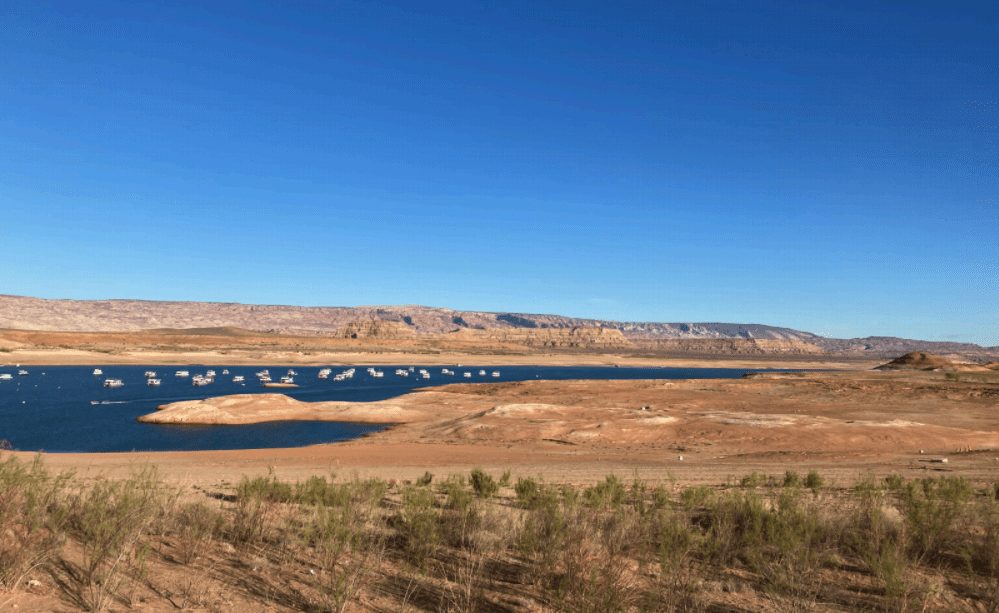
67 408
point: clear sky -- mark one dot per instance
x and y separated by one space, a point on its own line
829 166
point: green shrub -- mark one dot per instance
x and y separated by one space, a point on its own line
345 549
527 490
753 479
504 480
696 496
460 517
418 524
267 488
814 481
931 507
255 509
792 479
894 482
607 493
315 491
32 518
110 520
483 484
196 525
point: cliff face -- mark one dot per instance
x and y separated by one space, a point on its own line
439 324
555 338
374 329
734 346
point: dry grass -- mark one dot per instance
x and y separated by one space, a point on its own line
473 542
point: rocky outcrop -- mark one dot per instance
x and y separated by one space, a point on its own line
374 329
920 360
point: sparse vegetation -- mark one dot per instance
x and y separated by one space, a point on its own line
322 544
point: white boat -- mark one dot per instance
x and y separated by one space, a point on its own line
98 372
200 380
288 380
22 373
496 373
153 382
150 374
210 373
238 379
424 375
482 373
183 373
114 383
265 378
263 373
225 371
292 373
6 376
467 375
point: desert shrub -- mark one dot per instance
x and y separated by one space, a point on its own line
677 582
255 510
696 497
753 479
345 549
796 544
268 488
607 493
483 484
316 491
460 517
660 497
545 526
735 524
526 490
814 481
197 524
417 524
31 518
110 520
880 542
931 507
792 479
894 482
504 480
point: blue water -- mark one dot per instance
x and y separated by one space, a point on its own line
53 408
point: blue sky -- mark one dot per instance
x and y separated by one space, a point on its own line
829 166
